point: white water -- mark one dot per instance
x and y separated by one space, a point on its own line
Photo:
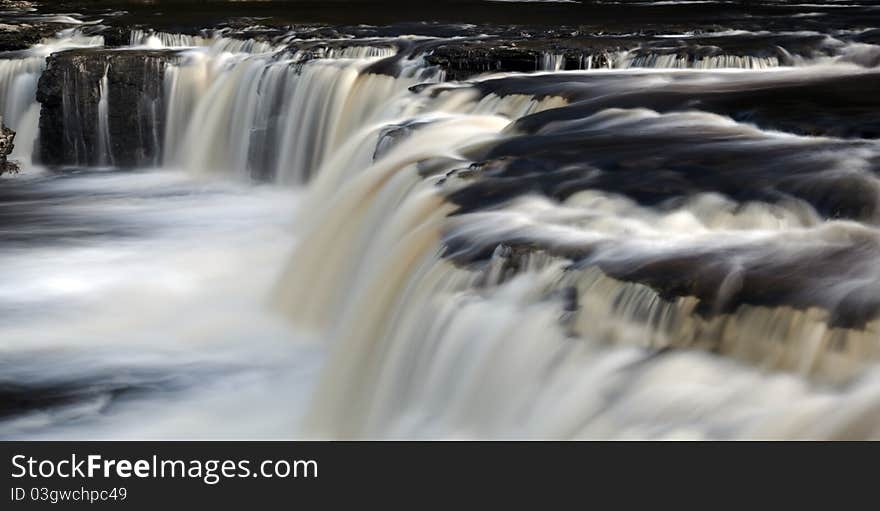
553 62
152 39
18 87
422 349
266 112
18 106
158 284
419 348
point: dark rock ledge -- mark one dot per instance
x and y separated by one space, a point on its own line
70 91
20 36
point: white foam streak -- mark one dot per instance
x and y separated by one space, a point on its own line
104 150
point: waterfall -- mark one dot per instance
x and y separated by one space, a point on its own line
678 239
552 62
522 318
275 109
354 215
19 74
18 106
342 212
273 114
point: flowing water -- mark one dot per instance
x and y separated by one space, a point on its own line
673 238
18 84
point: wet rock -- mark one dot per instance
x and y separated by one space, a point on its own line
116 36
7 137
19 36
461 62
76 128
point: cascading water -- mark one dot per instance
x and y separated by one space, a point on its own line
554 62
18 85
153 39
675 241
18 107
638 59
283 124
506 322
104 152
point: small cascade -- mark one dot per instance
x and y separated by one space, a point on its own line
552 62
156 40
105 156
635 59
19 75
